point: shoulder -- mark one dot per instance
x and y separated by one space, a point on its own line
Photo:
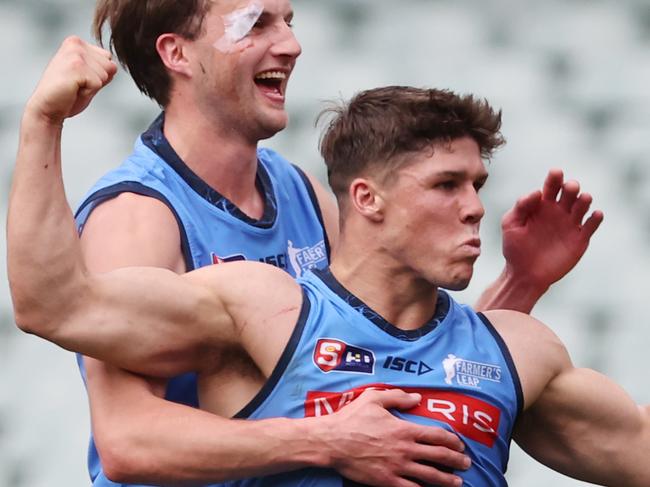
538 353
132 229
521 327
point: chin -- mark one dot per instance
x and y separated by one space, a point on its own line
456 285
271 126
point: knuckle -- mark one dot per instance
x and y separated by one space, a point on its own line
73 41
370 395
366 394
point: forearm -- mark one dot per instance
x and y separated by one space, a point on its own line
44 261
212 449
142 438
512 292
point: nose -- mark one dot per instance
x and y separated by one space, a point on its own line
472 210
285 42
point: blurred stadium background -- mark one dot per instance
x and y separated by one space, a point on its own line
572 77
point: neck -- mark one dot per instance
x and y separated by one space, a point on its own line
224 159
389 288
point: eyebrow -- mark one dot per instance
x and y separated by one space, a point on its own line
289 15
458 174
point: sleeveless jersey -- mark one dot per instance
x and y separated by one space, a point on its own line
340 347
289 235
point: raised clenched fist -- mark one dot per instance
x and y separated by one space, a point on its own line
72 78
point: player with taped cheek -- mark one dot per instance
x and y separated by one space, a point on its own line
244 62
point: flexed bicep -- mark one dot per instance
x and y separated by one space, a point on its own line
145 319
586 426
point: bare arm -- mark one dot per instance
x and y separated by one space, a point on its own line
586 426
544 237
576 421
142 438
57 298
64 91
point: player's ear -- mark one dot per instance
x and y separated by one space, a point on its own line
366 199
172 51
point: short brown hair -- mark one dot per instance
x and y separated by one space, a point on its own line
135 27
379 126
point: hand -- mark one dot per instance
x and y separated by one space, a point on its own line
544 237
371 446
74 76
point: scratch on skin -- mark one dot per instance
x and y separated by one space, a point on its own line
283 312
270 319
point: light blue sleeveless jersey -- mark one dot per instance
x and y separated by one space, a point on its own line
341 347
290 234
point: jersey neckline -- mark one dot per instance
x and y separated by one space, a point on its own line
154 138
441 312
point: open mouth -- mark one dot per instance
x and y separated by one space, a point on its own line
272 83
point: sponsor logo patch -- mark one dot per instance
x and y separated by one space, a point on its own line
305 258
404 365
471 417
331 354
468 373
279 260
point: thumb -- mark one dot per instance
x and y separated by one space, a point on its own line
523 208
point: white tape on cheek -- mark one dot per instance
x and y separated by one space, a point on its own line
237 25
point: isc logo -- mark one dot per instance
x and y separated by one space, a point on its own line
409 366
331 354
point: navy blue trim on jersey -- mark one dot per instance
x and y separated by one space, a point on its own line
115 190
508 358
319 213
352 483
442 308
283 362
155 139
